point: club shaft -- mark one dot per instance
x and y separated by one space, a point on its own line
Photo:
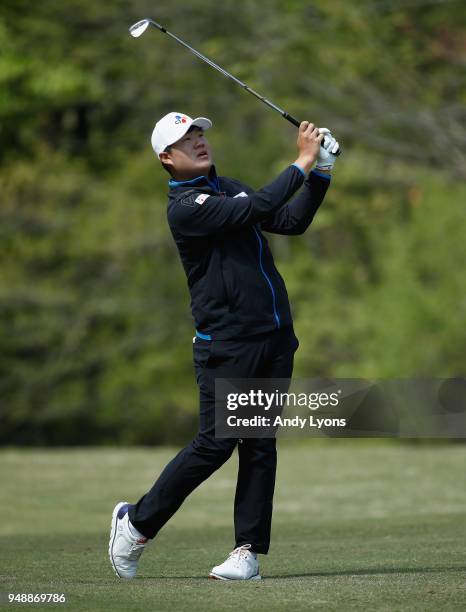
211 63
201 56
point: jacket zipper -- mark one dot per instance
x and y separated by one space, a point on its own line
277 318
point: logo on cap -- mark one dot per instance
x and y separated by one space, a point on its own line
180 119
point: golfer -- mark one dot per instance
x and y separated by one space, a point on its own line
244 327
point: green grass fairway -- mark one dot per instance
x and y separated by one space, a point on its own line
358 525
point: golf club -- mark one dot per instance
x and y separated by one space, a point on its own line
138 29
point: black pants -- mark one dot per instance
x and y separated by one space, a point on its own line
263 356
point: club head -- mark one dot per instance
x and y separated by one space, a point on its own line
138 29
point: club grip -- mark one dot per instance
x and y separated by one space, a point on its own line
297 123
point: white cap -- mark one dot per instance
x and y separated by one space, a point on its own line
172 127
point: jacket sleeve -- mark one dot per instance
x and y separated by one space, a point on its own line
297 215
198 214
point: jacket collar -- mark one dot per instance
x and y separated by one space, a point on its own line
210 181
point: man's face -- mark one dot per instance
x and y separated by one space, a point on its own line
190 156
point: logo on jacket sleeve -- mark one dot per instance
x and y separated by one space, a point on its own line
201 198
242 194
192 197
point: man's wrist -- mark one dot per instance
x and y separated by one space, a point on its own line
305 163
325 175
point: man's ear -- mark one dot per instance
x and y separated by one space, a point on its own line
165 158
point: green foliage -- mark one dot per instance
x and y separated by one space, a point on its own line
95 340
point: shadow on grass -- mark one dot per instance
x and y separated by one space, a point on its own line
374 572
359 572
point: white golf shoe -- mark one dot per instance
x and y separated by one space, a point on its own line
124 548
241 564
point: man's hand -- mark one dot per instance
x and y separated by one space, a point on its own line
329 147
309 145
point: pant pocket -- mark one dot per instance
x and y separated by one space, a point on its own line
202 350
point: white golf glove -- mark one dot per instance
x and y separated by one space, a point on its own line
328 148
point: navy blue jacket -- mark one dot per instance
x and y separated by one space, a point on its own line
217 224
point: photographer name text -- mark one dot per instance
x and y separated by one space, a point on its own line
278 421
